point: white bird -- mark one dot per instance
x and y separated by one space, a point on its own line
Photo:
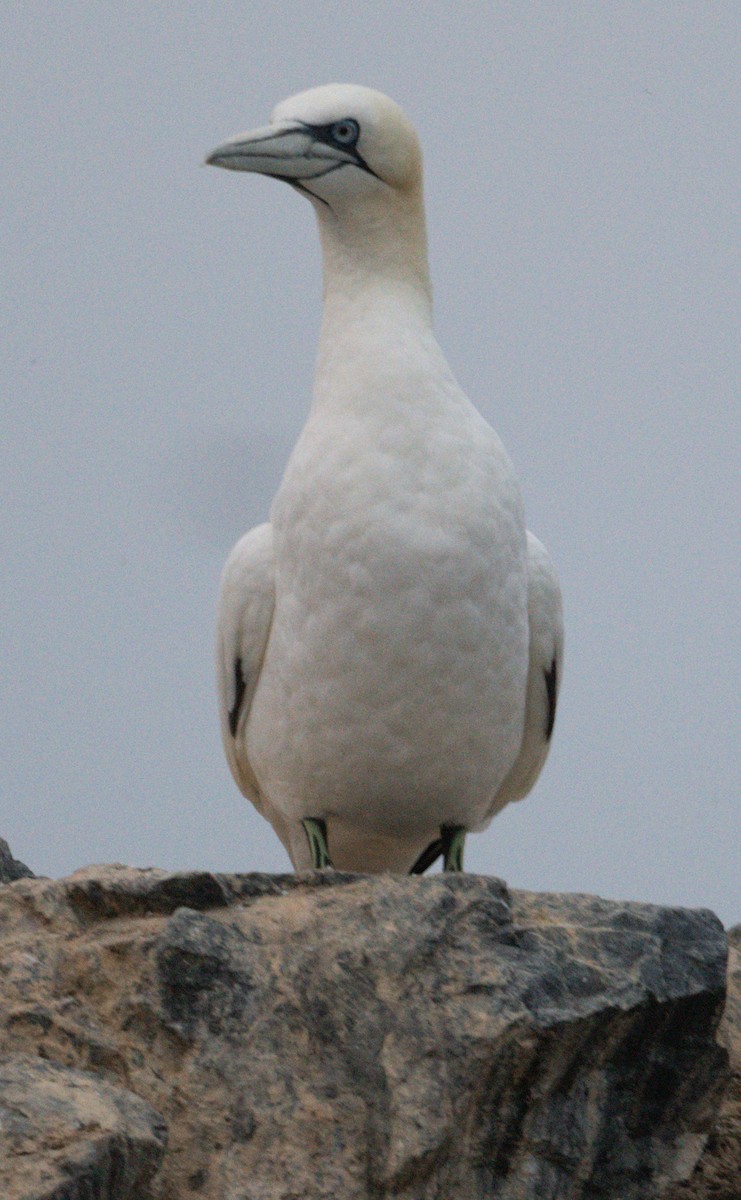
389 645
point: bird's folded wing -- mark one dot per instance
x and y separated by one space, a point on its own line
545 615
245 614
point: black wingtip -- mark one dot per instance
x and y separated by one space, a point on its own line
428 857
239 689
551 688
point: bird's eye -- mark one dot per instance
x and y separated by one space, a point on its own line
345 133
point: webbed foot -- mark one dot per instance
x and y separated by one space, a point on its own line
316 832
449 846
453 839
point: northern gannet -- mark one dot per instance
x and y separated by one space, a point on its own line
390 643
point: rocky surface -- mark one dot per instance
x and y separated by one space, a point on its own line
718 1175
69 1135
10 868
346 1036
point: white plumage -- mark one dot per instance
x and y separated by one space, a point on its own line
389 645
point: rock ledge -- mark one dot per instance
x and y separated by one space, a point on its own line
349 1036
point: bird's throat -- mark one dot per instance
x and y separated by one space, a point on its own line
374 250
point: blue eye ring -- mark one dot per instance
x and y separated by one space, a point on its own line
345 133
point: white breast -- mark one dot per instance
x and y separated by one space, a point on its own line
392 691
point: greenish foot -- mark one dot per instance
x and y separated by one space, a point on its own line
449 845
453 839
316 832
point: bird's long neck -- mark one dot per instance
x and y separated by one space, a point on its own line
377 293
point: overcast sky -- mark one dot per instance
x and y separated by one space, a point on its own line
582 193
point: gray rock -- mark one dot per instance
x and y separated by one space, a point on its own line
67 1135
718 1176
348 1036
10 868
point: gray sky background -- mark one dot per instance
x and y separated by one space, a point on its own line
582 180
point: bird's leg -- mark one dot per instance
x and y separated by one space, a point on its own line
449 847
453 838
316 832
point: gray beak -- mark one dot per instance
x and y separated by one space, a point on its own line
290 151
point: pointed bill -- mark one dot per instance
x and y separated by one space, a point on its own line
287 151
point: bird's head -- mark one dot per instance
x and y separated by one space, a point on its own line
345 146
